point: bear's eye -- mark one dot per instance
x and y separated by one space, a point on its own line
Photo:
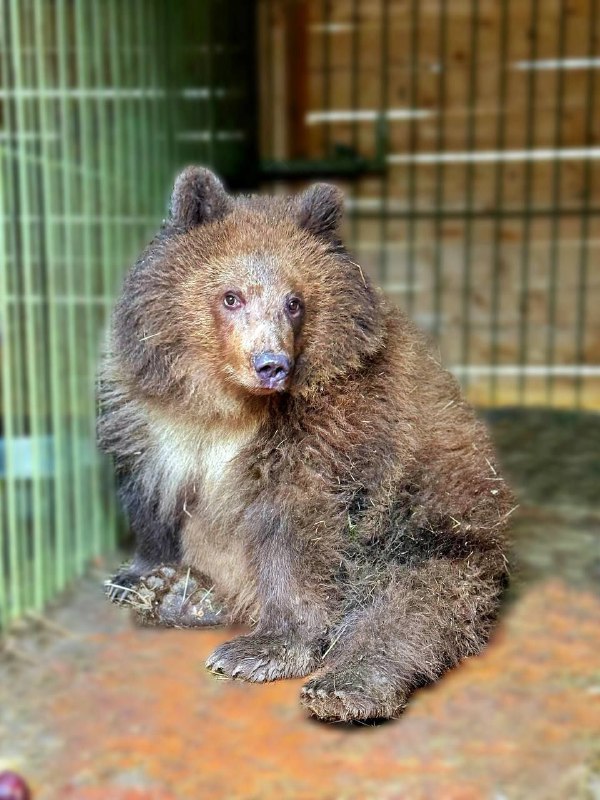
294 306
231 300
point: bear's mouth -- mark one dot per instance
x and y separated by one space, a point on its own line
272 386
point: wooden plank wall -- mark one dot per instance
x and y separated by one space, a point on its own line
488 238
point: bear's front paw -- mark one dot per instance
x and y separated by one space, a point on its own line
170 596
122 586
175 597
264 657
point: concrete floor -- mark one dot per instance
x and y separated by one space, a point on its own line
93 708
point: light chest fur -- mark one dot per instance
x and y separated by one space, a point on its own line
188 468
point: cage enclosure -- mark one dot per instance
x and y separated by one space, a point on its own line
464 135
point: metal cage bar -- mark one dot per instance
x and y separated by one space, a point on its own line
98 106
481 215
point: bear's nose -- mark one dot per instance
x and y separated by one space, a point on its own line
271 368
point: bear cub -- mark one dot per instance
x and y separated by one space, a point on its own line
292 456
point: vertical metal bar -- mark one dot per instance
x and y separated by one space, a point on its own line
326 75
204 107
168 47
117 206
270 100
144 119
129 108
8 577
296 74
19 541
86 544
527 201
584 250
355 99
157 99
40 230
70 203
55 325
383 109
119 135
227 116
440 167
96 269
412 167
106 188
553 275
40 270
470 189
249 106
12 396
503 42
144 130
37 595
210 81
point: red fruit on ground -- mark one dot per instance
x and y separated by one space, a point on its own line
13 787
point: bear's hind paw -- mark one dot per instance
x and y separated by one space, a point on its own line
344 697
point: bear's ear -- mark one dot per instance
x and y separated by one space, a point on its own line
198 197
320 209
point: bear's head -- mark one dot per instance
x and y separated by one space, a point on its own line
247 295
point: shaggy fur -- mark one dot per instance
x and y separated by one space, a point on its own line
354 516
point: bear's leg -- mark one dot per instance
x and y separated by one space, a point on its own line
294 608
423 621
175 597
157 539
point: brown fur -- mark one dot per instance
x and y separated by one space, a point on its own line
356 517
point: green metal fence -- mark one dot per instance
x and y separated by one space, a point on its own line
100 103
465 134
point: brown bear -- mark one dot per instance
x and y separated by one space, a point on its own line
282 432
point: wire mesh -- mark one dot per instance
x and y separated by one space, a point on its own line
485 222
100 103
465 134
67 231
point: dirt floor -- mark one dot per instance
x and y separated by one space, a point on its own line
92 707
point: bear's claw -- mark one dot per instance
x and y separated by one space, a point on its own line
122 586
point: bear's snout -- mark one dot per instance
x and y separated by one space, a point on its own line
273 369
